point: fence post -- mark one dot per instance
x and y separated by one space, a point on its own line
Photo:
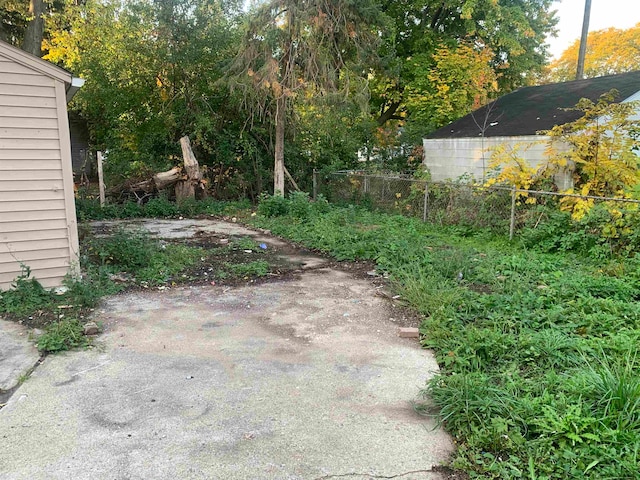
426 201
315 184
100 178
512 226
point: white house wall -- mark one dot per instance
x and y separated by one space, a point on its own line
452 158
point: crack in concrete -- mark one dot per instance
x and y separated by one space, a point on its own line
352 474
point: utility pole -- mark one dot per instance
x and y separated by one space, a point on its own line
583 40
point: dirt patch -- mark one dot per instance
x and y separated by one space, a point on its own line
450 474
231 255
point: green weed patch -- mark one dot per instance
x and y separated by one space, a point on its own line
160 207
538 351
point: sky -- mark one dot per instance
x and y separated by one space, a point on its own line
604 14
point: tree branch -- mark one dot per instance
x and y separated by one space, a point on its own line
389 113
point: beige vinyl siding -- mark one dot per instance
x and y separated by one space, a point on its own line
30 80
48 277
28 90
9 66
22 122
17 239
32 175
35 220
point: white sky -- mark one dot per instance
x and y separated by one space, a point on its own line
604 14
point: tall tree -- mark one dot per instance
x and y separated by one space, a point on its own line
296 50
608 52
151 70
34 33
513 30
447 85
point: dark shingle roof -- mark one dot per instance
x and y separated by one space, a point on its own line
531 109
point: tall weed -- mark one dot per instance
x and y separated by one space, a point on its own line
536 376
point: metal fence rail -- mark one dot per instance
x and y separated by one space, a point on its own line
499 208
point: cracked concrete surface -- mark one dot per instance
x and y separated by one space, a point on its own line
18 355
299 379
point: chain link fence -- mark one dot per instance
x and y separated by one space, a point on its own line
501 209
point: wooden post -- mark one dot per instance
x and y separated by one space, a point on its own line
288 175
100 178
315 184
426 201
512 226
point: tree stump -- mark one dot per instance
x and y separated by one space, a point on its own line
192 185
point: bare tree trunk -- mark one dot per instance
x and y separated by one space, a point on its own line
278 169
191 166
35 29
193 186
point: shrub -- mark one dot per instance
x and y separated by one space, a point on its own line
273 205
299 205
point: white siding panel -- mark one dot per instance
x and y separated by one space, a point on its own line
21 195
29 133
26 216
27 186
31 205
29 144
51 277
31 226
29 175
29 90
29 112
6 279
21 154
25 122
8 66
29 245
34 254
35 265
18 79
19 237
26 101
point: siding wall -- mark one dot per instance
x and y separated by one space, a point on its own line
37 216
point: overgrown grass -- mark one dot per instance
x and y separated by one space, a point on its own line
59 313
538 351
63 335
134 251
89 209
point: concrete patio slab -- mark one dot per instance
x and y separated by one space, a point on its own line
304 379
